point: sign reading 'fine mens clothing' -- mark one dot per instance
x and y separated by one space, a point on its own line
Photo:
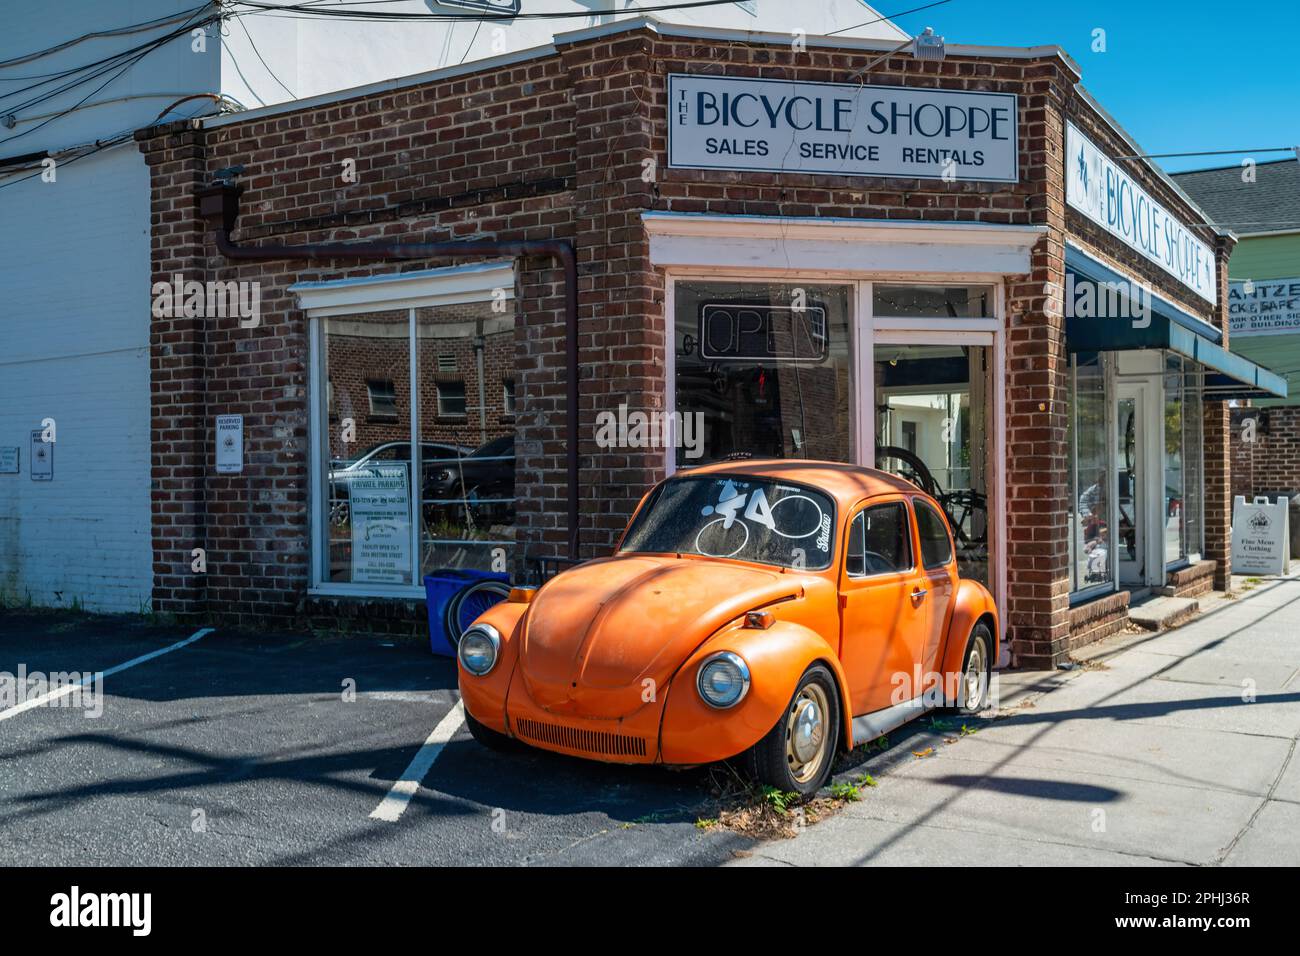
841 129
1108 196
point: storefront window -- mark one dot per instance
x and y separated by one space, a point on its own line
765 370
466 360
1089 510
1192 513
367 362
416 466
932 301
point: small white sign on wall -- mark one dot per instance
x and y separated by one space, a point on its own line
230 444
1261 539
42 456
9 460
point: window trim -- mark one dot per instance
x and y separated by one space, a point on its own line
450 285
911 540
464 395
917 503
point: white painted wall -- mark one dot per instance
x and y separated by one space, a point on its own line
314 56
74 346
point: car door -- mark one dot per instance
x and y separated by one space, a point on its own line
937 574
883 634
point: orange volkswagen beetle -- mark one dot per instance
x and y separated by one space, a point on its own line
781 610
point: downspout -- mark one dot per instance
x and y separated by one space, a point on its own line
222 199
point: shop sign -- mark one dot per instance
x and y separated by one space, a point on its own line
230 444
1271 307
9 460
1261 539
380 506
1111 198
42 456
841 129
744 332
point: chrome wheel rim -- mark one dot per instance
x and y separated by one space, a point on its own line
806 734
974 689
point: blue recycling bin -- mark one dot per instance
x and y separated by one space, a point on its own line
454 598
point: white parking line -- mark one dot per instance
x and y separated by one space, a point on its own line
65 689
393 805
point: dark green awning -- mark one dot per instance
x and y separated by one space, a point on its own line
1166 327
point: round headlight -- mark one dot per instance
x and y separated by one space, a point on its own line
478 649
723 679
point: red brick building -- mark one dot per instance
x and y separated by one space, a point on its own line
817 263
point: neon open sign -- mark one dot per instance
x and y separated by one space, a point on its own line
747 332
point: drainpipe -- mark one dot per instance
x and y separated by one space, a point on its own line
222 199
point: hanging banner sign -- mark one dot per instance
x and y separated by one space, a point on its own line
380 506
841 129
1272 307
1261 539
1111 198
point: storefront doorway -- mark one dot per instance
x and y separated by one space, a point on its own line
932 427
1142 505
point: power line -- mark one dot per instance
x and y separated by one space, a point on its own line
125 60
303 9
903 13
243 26
1216 152
117 31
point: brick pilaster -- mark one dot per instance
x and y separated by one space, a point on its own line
175 154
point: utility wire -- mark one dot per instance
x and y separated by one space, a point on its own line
902 13
244 27
397 15
143 51
118 31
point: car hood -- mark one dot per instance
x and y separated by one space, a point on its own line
603 639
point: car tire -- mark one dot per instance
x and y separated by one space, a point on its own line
797 754
488 737
976 676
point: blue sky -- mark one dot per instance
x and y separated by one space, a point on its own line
1178 76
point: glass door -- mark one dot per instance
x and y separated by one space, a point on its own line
933 428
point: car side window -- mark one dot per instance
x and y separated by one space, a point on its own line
932 529
880 541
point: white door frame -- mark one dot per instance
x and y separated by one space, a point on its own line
1149 494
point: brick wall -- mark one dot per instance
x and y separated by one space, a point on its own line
1271 463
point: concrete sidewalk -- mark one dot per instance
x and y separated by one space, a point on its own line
1153 755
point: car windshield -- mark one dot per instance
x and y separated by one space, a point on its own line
734 516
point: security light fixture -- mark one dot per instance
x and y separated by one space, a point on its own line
928 46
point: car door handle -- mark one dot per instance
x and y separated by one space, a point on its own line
919 593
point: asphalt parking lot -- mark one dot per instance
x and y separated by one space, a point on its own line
240 749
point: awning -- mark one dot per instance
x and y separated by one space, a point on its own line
1111 324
